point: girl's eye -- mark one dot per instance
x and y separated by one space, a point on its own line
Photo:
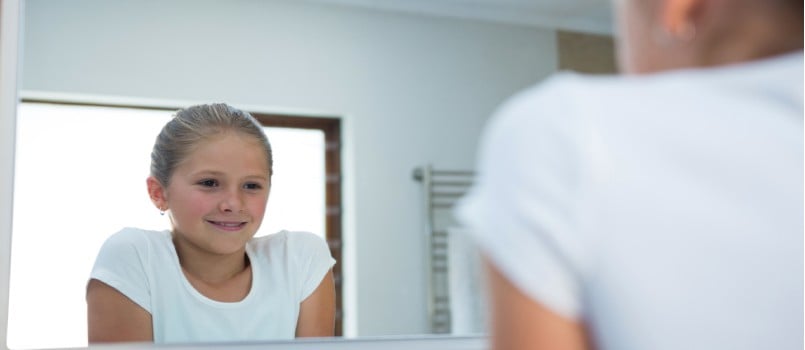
208 183
252 186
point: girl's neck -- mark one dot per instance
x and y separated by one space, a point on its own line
210 268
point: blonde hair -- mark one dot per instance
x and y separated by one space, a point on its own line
195 124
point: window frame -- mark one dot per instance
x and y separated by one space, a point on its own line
333 222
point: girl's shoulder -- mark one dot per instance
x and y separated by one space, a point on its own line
137 243
133 253
137 236
283 239
289 246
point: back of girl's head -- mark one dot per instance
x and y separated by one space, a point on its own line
659 35
195 124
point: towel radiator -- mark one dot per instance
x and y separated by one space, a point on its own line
442 189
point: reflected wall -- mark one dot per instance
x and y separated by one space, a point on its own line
411 89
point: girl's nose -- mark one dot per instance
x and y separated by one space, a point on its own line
232 202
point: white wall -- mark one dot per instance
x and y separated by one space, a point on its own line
413 90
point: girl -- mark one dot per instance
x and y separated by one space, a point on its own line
209 279
661 210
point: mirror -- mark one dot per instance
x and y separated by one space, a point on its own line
411 88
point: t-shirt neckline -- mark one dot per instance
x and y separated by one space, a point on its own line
203 298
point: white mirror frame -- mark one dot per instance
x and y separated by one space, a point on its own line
9 54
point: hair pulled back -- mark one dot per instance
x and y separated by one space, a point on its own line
195 124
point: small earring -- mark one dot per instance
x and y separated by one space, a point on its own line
161 211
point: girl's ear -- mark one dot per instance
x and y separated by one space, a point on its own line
157 193
679 18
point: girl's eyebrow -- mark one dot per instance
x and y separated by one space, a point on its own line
222 174
258 177
207 172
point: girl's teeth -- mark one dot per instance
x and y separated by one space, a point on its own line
228 224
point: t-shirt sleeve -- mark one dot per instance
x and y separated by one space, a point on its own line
313 261
522 209
121 264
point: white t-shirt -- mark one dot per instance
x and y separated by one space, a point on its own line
286 268
665 211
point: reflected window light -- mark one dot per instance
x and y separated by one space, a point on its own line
80 176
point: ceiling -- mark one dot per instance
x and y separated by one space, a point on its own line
591 16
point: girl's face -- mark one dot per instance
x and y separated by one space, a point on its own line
217 196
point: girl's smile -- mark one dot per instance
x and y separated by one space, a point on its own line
231 226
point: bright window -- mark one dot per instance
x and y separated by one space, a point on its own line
80 177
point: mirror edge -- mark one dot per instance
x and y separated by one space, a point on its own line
10 14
